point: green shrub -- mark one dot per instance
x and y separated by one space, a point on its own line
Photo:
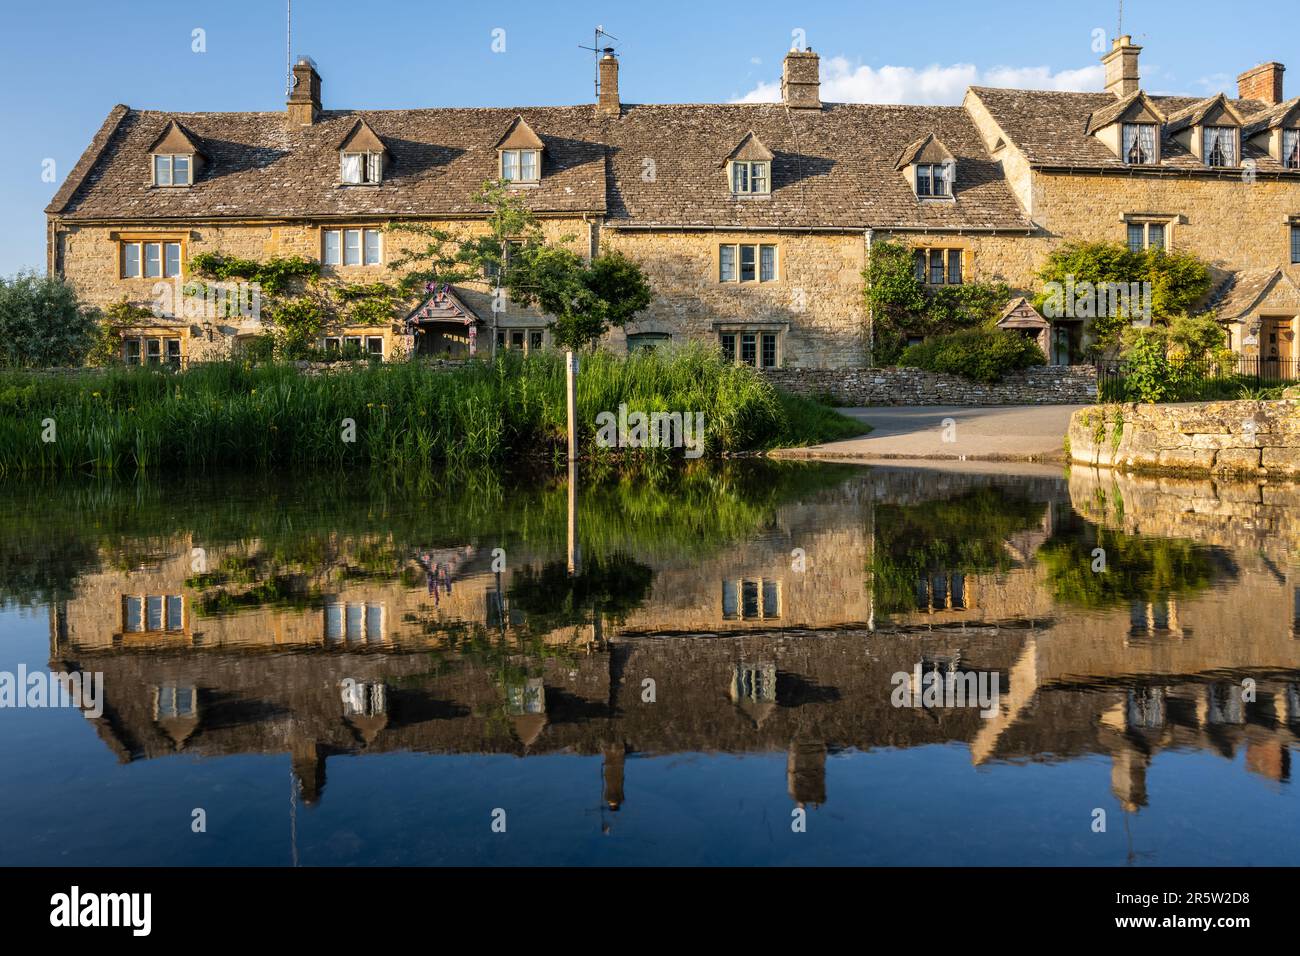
42 323
984 355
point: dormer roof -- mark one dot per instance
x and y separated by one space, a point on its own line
175 138
362 139
927 149
1284 114
519 135
1136 107
750 149
1211 111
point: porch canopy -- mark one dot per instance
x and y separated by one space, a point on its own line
443 324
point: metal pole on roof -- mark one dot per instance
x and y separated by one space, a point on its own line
288 47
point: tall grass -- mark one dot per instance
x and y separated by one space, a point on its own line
399 416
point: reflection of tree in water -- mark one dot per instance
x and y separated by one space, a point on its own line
1137 567
549 597
966 534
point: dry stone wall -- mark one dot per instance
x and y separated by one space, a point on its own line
1044 385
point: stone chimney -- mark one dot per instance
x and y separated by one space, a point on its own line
607 102
800 80
304 98
1264 82
1122 67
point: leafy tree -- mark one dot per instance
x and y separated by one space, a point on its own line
121 315
1177 282
901 306
42 322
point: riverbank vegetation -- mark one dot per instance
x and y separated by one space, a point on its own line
392 417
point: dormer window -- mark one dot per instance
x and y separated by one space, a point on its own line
521 165
751 178
172 169
1220 145
357 168
1291 148
1139 144
933 179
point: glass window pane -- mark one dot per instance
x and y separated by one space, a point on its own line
1295 244
1291 148
180 170
923 180
353 621
152 260
153 349
769 350
372 247
333 622
534 340
758 178
351 168
939 175
728 599
374 622
162 171
767 263
133 613
936 267
132 351
749 348
1156 235
352 247
374 167
528 165
728 346
954 266
771 599
172 259
510 164
727 263
154 612
175 612
333 242
749 599
174 351
747 263
517 339
920 266
1135 237
131 259
375 344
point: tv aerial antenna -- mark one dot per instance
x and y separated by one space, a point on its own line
599 49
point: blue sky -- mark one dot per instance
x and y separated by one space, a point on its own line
63 65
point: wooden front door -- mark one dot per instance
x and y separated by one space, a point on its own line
1278 347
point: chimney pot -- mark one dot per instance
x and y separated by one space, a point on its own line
304 99
607 103
801 80
1264 82
1122 77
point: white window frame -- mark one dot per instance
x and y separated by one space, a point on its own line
167 161
335 249
737 254
925 173
369 168
159 248
512 165
750 177
1125 144
1236 146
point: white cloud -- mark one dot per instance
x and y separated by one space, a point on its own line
842 82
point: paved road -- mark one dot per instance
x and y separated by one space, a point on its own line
1007 433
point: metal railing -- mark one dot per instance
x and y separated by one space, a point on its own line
1203 380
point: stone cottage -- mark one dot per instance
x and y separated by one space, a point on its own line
754 221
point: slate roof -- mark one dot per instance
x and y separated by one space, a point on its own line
1239 295
1051 128
650 166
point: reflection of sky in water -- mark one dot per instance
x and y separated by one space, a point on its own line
1123 693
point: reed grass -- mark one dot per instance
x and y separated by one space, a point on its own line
406 415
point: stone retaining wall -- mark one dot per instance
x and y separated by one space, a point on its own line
1200 438
1044 385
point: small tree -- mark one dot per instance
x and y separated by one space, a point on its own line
42 323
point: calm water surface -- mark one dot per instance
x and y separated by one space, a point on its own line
672 669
